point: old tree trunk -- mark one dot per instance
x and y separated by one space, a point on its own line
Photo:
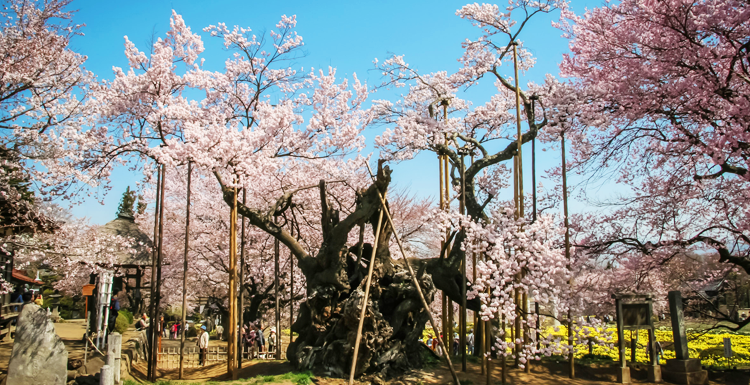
328 319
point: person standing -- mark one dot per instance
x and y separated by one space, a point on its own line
272 341
203 345
252 342
114 310
39 301
470 342
261 339
219 332
142 323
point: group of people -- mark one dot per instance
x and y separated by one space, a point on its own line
254 340
432 343
22 295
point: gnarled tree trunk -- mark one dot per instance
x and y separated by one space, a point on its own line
328 319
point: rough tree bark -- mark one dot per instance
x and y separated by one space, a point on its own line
327 320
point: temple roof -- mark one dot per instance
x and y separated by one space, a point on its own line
125 226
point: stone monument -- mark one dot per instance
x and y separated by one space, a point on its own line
683 369
38 356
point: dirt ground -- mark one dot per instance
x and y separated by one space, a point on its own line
542 373
70 332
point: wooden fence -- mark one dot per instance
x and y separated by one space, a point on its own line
169 358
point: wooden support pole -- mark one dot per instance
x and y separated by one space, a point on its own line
571 355
363 312
415 279
291 298
462 314
232 324
526 336
184 273
449 301
488 350
152 299
156 289
241 284
277 294
503 360
443 298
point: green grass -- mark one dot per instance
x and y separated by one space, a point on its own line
301 378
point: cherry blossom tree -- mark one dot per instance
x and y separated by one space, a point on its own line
663 106
296 158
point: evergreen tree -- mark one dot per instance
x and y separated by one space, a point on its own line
127 203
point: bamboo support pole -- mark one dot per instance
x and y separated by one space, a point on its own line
415 279
365 298
184 273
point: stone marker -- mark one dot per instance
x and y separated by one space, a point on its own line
38 356
683 369
106 377
678 326
114 351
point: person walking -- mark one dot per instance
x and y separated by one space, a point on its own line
203 345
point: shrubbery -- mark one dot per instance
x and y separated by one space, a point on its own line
122 322
128 315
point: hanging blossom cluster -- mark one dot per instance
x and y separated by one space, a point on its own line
520 257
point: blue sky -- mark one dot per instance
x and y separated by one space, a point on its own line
347 35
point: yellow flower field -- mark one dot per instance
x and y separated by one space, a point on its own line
709 347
